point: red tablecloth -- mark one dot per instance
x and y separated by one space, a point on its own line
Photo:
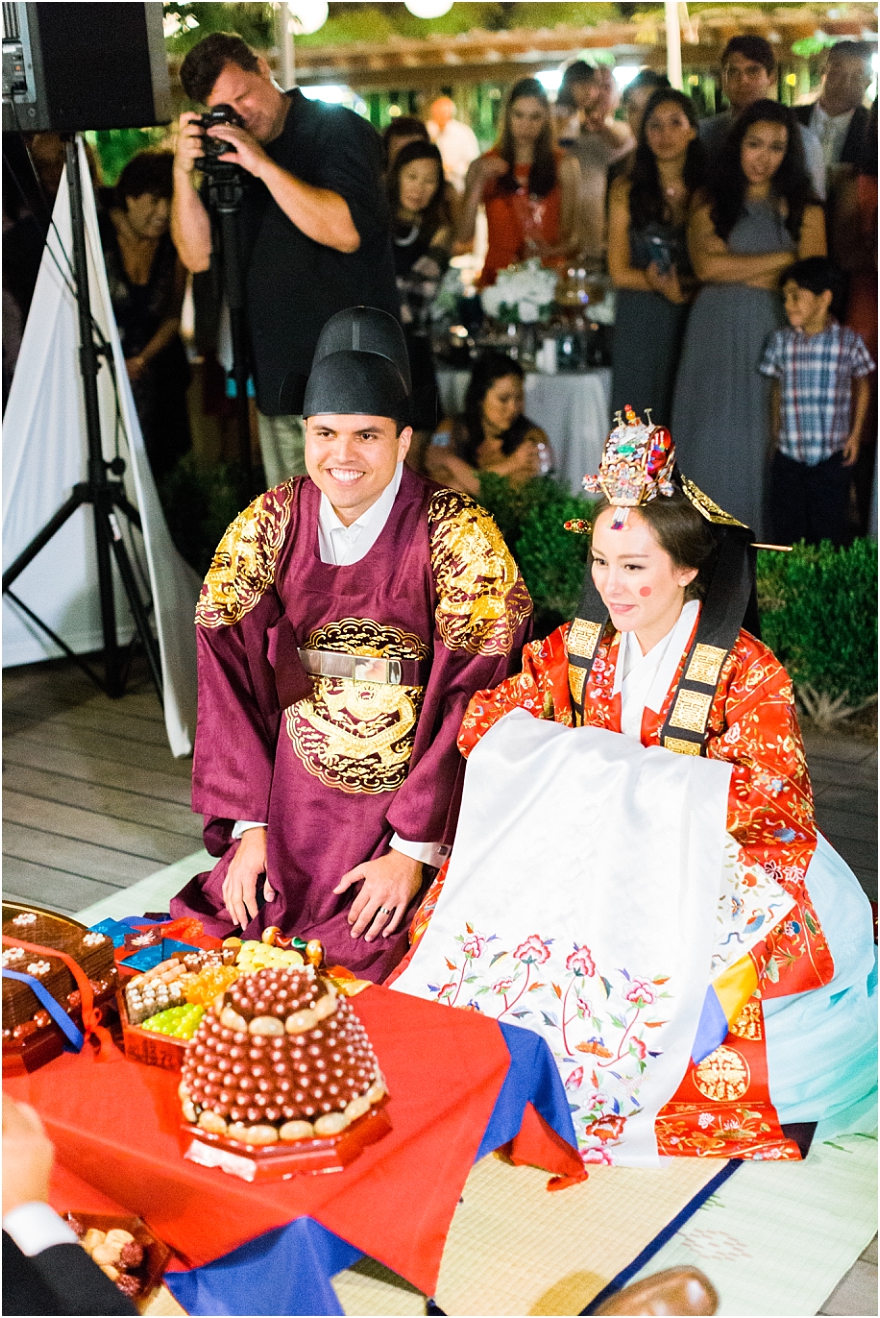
116 1126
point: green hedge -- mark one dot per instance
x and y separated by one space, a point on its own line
819 616
552 560
200 500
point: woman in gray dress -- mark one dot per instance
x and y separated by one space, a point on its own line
647 254
758 216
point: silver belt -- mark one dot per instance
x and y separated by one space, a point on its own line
361 667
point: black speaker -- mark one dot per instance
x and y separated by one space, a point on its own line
72 67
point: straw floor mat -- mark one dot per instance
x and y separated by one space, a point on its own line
162 1304
515 1248
778 1236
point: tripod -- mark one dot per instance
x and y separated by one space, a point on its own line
225 192
105 496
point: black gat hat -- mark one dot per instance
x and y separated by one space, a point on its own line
360 367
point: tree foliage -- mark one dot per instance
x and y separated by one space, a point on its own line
377 22
253 22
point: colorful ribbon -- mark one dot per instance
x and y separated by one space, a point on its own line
90 1013
54 1008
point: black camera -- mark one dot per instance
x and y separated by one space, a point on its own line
215 146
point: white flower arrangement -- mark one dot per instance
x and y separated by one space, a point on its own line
522 293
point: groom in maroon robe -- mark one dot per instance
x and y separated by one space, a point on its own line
346 621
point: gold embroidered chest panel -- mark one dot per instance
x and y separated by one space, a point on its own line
353 735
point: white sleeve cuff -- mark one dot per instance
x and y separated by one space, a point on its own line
242 827
429 853
35 1227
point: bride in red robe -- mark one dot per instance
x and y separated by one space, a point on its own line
787 1033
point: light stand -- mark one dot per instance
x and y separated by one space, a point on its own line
225 192
104 495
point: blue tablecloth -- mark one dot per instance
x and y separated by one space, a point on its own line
290 1270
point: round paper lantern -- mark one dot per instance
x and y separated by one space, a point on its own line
428 8
307 16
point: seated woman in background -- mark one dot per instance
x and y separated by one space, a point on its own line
422 237
147 283
491 434
647 253
757 217
529 188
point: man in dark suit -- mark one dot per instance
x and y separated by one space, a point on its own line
45 1269
837 116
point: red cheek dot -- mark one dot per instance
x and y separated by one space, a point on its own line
645 591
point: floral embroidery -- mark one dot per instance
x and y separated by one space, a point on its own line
598 1027
752 724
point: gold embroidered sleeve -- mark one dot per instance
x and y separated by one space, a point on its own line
243 567
482 597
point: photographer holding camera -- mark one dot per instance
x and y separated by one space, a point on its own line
315 227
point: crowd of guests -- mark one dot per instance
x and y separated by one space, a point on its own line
714 232
717 232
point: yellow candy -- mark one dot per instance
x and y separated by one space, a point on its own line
255 956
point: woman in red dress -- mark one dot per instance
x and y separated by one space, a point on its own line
528 186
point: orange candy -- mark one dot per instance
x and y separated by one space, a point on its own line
209 983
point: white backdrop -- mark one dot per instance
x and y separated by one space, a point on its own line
45 454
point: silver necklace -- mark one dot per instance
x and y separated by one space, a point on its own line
408 239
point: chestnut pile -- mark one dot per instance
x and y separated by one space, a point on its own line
279 1057
116 1253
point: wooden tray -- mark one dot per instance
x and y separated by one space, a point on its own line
156 1252
281 1161
146 1045
44 1045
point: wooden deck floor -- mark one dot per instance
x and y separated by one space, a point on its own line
93 800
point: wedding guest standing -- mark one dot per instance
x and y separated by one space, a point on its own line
838 117
422 237
634 101
399 133
854 246
529 188
760 214
147 283
820 372
748 74
456 142
636 95
647 254
597 141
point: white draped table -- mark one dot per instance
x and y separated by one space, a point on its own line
571 408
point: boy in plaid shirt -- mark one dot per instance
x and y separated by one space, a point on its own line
819 402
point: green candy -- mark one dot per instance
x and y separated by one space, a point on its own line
178 1022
